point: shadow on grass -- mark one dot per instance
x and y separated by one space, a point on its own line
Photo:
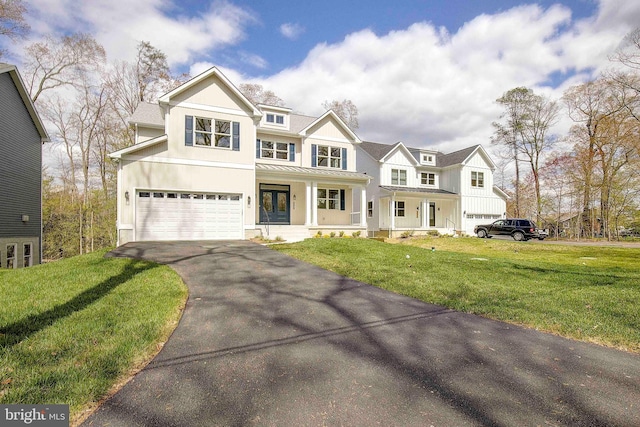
16 332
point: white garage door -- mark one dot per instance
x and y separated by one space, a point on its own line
472 220
164 215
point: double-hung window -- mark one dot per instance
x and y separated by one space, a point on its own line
328 198
275 118
370 209
208 132
477 179
330 157
274 150
398 177
11 256
427 178
399 208
27 256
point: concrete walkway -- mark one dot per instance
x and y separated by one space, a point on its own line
269 340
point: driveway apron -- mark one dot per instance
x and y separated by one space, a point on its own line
269 340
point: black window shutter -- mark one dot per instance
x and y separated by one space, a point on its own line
292 152
314 155
258 148
236 136
342 200
188 130
344 159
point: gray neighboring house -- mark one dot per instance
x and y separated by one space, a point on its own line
21 137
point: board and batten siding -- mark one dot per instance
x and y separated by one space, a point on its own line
20 166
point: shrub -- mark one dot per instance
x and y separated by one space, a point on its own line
332 234
341 234
356 233
318 234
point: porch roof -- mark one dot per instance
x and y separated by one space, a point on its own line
315 173
420 190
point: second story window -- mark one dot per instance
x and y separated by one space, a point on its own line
477 179
428 178
277 119
330 157
275 150
398 177
208 132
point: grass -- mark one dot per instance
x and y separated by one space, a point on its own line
585 293
72 329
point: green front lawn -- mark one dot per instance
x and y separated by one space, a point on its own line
586 293
71 329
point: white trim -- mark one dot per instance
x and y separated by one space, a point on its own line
401 146
209 108
327 138
153 159
126 227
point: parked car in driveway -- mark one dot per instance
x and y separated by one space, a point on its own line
518 228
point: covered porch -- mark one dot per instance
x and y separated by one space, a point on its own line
295 203
418 211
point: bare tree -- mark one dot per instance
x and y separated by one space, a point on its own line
258 95
12 21
346 110
54 63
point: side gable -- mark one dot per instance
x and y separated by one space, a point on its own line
26 99
331 127
211 84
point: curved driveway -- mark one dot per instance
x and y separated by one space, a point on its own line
269 340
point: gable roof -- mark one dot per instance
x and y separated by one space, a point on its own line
455 158
137 147
148 114
376 150
213 71
26 99
331 113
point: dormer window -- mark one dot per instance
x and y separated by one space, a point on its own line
277 119
428 159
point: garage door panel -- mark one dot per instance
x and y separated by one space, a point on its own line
186 216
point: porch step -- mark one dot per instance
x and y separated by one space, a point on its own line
290 233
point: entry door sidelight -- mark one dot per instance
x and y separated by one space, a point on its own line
432 214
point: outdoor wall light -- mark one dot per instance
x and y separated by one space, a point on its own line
25 218
249 201
126 195
294 197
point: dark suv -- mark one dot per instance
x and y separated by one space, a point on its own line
518 228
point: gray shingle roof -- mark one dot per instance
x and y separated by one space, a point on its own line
377 150
148 114
455 158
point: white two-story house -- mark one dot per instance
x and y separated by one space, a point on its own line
421 190
209 164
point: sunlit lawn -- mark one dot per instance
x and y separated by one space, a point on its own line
587 293
71 329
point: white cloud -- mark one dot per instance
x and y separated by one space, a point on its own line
430 88
120 24
291 31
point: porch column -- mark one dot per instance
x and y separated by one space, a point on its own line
428 211
309 204
314 203
363 206
392 212
425 213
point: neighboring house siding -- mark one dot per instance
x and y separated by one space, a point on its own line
20 166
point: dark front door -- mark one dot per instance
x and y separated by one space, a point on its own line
432 214
274 204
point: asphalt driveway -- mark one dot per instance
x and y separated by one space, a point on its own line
269 340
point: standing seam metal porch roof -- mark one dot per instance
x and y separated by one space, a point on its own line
298 170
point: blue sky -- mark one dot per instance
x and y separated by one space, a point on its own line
423 72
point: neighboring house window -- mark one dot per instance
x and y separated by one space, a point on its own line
275 118
11 256
331 199
274 150
207 132
370 209
399 209
26 252
428 178
329 157
477 179
398 177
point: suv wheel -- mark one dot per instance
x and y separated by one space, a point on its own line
482 234
518 236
